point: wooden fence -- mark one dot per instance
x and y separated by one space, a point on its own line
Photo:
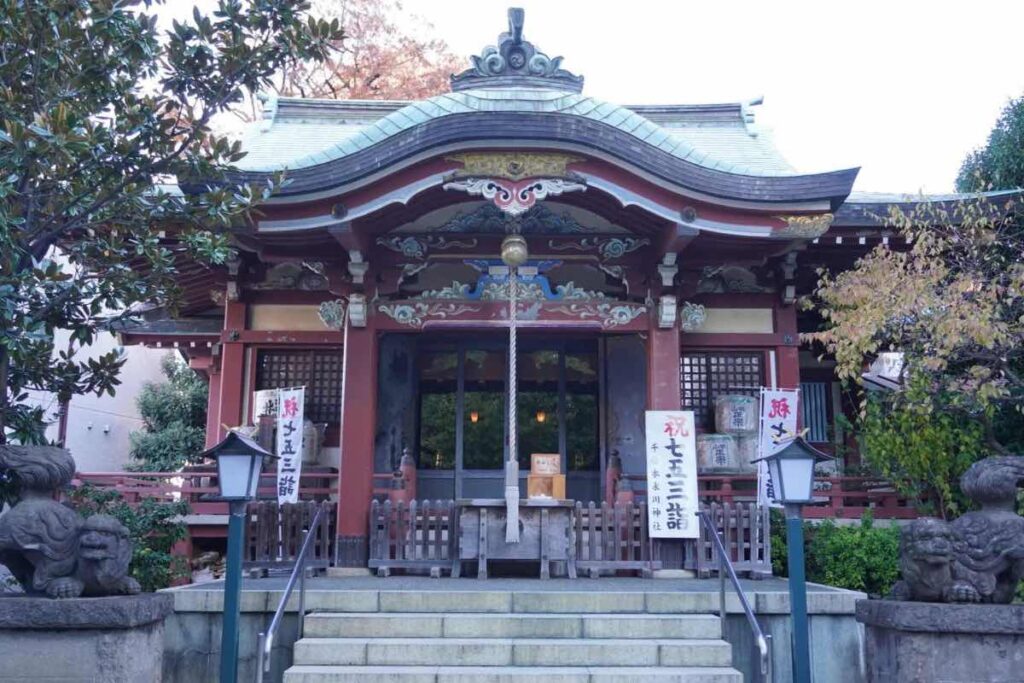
608 539
273 534
613 538
420 535
745 534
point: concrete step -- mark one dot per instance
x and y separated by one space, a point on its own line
513 674
477 625
597 601
498 652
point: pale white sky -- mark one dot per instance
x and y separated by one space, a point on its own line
902 88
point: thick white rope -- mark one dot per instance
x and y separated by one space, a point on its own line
512 465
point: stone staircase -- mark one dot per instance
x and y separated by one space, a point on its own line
496 636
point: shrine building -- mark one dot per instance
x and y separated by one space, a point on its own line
666 248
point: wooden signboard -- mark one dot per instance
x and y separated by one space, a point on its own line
545 463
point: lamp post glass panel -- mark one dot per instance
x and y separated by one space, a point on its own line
239 464
791 471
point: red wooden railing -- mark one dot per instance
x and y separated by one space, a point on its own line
197 484
836 497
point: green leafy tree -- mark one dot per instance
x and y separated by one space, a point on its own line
174 413
100 112
154 526
922 452
952 303
999 165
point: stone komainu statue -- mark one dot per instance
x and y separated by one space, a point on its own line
978 557
47 546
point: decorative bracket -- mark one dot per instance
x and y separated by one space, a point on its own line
516 197
357 267
668 269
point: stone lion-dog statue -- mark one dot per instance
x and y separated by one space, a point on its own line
48 547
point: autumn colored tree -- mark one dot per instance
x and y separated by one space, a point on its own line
953 303
378 58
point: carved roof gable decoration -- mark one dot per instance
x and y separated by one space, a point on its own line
516 62
514 181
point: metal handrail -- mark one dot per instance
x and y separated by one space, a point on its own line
266 638
764 642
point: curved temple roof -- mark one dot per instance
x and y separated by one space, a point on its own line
515 95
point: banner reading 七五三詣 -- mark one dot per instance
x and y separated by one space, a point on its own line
777 428
289 443
672 502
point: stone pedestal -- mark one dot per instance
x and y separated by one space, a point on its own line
926 642
114 639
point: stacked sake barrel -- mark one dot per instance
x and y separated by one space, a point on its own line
733 448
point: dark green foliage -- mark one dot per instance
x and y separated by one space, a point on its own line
921 451
154 527
777 529
863 557
175 417
999 165
99 112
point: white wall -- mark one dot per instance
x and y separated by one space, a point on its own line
98 427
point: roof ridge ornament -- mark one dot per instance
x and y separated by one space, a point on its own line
515 62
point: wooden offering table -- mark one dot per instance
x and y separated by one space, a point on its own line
545 534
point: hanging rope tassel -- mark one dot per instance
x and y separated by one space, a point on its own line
512 464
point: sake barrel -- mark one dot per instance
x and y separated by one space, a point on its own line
736 414
716 453
746 452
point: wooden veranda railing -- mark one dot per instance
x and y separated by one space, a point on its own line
835 497
195 485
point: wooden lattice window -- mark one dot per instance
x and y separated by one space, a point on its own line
705 375
318 370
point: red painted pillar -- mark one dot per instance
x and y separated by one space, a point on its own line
787 354
232 370
213 408
663 368
355 483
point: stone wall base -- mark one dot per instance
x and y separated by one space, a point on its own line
82 640
913 642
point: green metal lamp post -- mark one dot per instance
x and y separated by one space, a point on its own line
791 472
239 464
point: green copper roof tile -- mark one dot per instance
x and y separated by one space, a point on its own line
585 106
646 130
617 117
448 103
374 133
388 126
309 132
603 111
